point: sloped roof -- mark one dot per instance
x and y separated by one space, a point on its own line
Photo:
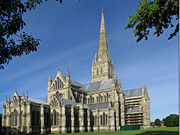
98 106
132 92
65 101
95 86
37 101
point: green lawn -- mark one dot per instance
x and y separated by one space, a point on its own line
152 131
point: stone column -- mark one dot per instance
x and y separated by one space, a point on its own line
108 118
112 128
81 120
43 130
97 121
72 119
28 116
8 115
23 117
4 116
122 110
117 114
89 120
19 118
63 118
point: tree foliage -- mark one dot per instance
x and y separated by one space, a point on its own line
11 23
172 120
157 14
152 124
157 122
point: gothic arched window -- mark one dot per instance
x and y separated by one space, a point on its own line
97 71
55 84
15 101
15 117
54 117
58 84
100 119
105 98
103 118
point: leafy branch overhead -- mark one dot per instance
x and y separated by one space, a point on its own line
11 23
156 14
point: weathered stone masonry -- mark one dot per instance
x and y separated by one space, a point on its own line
72 107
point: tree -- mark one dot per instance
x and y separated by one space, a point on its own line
152 124
156 14
11 22
172 120
157 122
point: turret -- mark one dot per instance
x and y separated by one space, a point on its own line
26 96
119 84
113 82
23 97
68 83
6 99
49 82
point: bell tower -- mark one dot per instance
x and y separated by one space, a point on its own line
102 65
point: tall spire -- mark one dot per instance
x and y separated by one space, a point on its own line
103 44
102 65
68 74
50 76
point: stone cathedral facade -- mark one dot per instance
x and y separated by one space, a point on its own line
71 107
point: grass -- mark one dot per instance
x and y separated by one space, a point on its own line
152 131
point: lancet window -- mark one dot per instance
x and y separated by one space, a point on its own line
105 98
100 119
14 118
54 117
58 84
103 118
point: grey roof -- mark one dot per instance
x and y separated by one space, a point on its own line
85 106
133 92
76 84
65 101
90 87
37 101
68 102
99 106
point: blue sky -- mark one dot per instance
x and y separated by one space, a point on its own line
69 34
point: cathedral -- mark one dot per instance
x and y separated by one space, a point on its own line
72 107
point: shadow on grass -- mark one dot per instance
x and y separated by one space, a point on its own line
159 133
